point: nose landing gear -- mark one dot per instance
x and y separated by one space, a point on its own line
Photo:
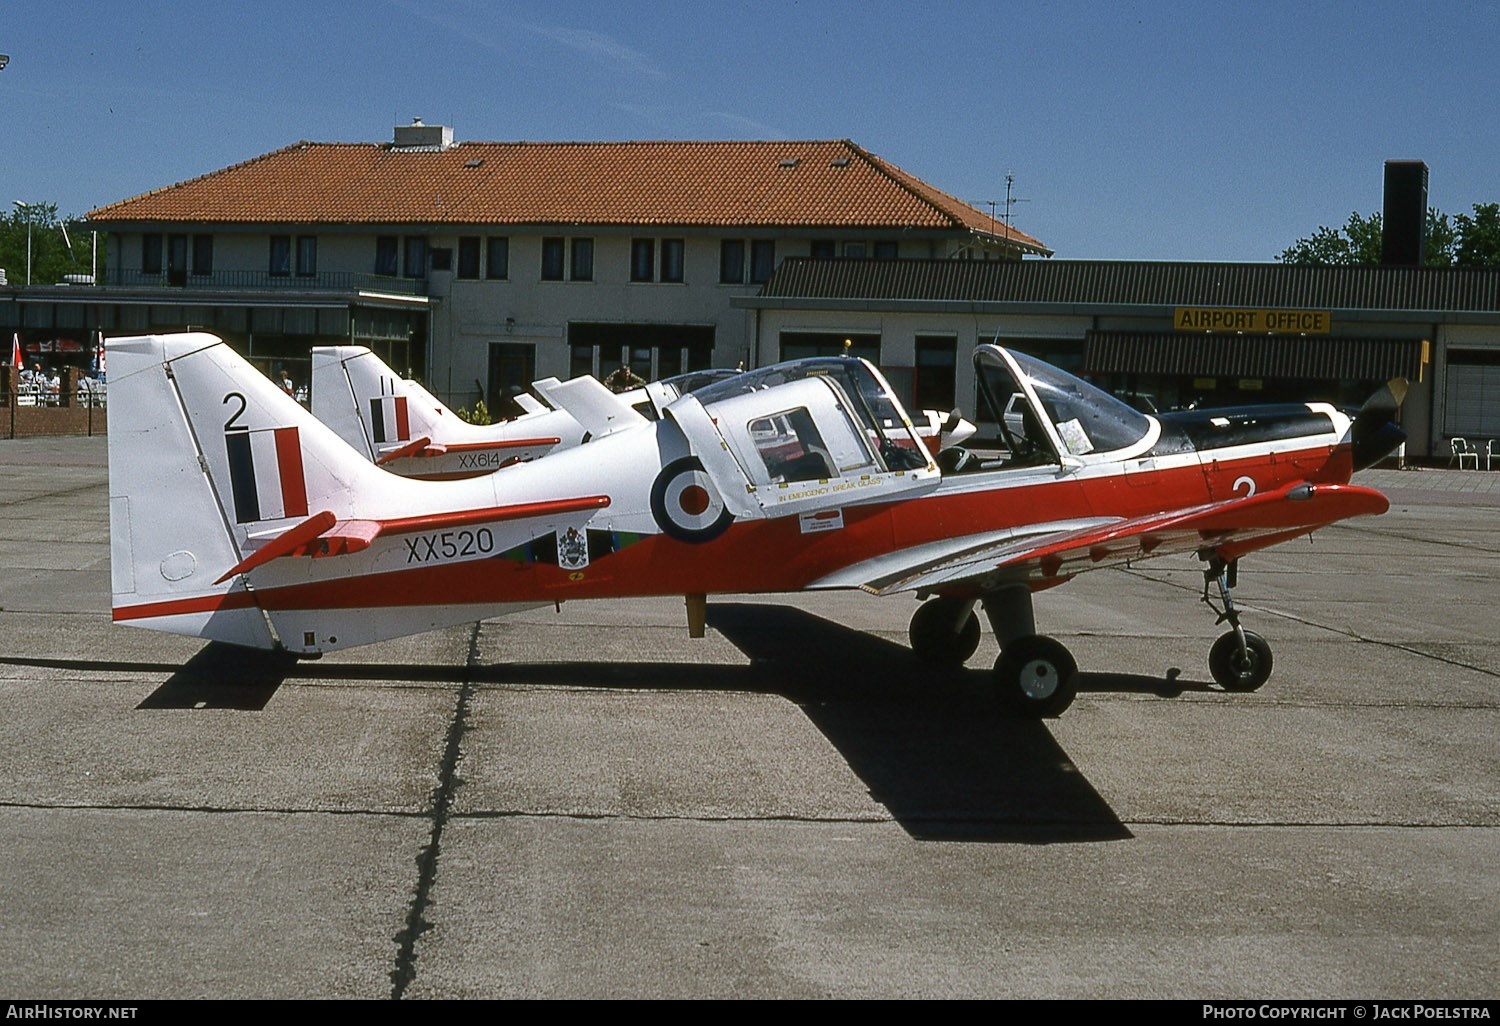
1239 660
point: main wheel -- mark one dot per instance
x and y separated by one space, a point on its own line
1036 676
1240 671
934 638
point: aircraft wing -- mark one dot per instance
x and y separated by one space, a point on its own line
1055 552
323 534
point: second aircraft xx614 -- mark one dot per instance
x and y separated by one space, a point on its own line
237 516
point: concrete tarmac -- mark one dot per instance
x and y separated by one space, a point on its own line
586 803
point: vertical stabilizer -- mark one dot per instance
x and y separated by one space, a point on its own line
206 459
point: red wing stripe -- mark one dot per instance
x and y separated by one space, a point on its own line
403 425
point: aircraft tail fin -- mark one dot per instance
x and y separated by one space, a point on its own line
207 458
369 405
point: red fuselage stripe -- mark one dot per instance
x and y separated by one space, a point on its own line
499 443
492 515
179 607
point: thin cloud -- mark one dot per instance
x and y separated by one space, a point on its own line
746 126
597 46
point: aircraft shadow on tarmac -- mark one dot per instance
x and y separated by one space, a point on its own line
932 745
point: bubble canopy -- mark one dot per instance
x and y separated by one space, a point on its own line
1048 413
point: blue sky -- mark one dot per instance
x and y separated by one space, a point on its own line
1134 130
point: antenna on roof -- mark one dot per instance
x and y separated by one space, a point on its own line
1010 178
1009 201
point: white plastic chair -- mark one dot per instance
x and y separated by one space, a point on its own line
1489 454
1462 451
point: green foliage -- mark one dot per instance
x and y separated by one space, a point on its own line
51 238
1464 241
479 415
1479 237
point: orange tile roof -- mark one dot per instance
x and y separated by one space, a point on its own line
820 184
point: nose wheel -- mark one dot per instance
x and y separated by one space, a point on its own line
1240 660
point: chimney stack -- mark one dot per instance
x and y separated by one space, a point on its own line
1404 224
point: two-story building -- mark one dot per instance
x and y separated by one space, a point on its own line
480 267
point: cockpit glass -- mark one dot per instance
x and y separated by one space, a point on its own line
868 399
1086 418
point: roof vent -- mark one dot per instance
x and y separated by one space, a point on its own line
789 162
839 162
417 136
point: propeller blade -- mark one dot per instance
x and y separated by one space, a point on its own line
1375 433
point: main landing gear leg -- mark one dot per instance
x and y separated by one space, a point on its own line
1035 675
1240 660
944 631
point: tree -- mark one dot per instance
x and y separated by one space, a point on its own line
58 246
1464 241
1479 237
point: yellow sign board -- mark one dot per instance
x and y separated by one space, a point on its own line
1282 322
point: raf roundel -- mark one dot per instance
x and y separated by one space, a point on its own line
685 503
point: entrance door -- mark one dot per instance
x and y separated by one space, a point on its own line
512 370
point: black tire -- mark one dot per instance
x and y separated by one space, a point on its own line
933 639
1237 671
1036 676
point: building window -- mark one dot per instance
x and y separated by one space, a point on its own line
642 259
732 261
581 266
497 259
583 360
885 251
854 250
824 249
203 254
307 256
416 256
935 376
671 260
281 256
150 254
442 258
385 256
468 256
762 260
552 259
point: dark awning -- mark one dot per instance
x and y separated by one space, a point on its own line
1320 358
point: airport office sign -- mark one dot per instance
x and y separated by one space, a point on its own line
1282 322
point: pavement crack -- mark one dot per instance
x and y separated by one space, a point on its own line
405 969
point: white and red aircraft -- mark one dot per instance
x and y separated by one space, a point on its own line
238 516
399 425
402 427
